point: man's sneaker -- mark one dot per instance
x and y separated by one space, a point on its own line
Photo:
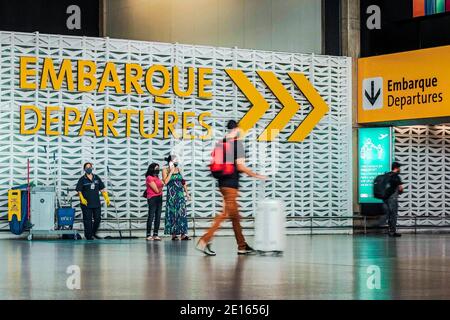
395 235
97 237
246 250
209 251
206 249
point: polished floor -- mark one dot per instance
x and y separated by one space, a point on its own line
313 267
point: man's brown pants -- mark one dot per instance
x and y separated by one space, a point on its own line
230 211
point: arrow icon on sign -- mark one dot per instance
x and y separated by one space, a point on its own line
259 104
372 97
290 107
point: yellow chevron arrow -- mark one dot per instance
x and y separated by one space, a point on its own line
259 104
320 108
290 107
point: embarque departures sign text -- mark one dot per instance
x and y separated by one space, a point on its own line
136 80
404 86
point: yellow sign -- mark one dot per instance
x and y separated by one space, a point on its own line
404 86
82 76
14 204
290 106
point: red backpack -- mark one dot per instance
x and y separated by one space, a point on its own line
220 166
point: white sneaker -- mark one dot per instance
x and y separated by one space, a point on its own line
205 248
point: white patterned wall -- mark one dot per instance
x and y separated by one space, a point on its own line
313 177
424 152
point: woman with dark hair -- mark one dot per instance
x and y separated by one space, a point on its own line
154 199
177 193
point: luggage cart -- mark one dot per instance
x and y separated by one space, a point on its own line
43 208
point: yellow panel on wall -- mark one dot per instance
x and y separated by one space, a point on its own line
404 86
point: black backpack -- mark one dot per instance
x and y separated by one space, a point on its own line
382 186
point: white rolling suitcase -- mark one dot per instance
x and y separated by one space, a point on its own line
270 225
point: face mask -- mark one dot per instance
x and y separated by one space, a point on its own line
88 170
156 172
173 164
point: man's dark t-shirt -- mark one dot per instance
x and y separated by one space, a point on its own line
395 181
232 181
90 190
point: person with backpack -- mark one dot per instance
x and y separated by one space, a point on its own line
387 187
153 193
228 161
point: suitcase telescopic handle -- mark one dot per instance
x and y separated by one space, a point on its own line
261 189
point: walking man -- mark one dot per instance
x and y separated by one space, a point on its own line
390 205
88 187
229 188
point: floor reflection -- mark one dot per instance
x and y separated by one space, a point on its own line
313 267
375 268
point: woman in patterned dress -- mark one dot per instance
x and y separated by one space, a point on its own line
177 193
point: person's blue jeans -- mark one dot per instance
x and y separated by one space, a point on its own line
390 207
154 215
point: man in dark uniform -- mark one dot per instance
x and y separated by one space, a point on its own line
390 205
89 187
